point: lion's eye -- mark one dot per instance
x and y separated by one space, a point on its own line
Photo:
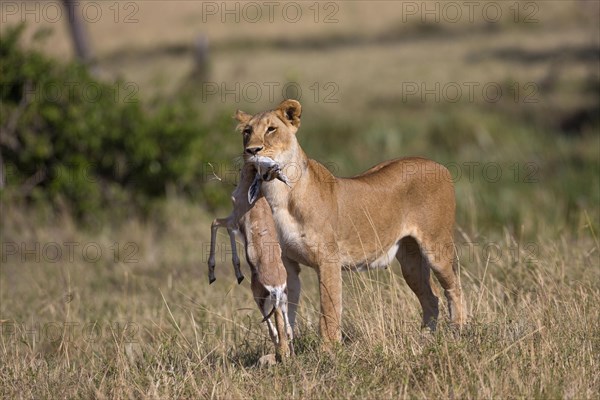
247 131
271 129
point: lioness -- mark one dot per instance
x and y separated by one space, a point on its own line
403 208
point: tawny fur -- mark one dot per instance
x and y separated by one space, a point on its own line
263 254
402 208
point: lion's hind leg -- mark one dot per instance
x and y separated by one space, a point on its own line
443 262
416 272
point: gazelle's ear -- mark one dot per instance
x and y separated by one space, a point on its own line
290 111
254 190
242 117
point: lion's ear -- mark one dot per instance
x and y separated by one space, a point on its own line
290 110
242 117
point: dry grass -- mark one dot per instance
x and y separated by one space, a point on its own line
154 328
147 325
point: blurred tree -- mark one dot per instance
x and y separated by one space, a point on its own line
93 146
79 35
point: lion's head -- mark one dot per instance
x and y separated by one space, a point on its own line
271 134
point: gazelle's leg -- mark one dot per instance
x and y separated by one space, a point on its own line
216 224
288 327
281 349
266 307
293 289
272 331
234 256
284 310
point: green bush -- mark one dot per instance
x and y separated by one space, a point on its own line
68 138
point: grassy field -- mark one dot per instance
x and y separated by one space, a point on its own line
148 324
124 309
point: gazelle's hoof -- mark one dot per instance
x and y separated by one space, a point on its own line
240 279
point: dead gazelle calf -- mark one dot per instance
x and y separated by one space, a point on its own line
253 219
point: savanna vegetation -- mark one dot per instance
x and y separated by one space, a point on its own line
113 174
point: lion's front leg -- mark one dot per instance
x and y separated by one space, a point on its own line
330 289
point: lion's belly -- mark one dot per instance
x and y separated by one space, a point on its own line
306 245
295 244
367 262
376 247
